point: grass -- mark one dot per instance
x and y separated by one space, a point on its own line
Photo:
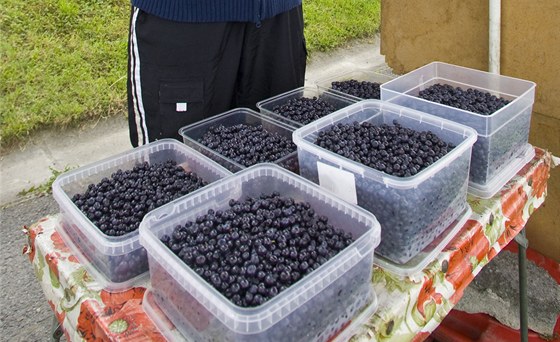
332 23
46 187
63 62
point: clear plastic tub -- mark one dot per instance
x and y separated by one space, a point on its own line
312 309
412 211
266 106
192 133
117 262
359 75
170 332
502 136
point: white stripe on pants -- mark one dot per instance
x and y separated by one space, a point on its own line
139 113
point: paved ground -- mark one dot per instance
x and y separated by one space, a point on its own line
24 312
495 291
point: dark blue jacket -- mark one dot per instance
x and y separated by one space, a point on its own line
215 10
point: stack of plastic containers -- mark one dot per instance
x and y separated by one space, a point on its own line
118 262
313 309
266 106
502 147
193 133
413 211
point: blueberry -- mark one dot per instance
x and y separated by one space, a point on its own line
303 109
238 143
472 100
363 89
386 151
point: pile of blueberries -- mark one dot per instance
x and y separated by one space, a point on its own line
472 100
361 89
304 110
118 204
257 247
393 149
247 144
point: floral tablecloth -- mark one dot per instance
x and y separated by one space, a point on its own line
409 308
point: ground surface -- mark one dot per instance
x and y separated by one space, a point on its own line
495 291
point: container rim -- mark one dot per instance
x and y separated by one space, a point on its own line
435 64
234 112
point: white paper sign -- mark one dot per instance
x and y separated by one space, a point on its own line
341 183
181 106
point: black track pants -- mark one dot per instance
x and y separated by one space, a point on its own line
180 73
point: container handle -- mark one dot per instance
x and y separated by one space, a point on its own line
163 212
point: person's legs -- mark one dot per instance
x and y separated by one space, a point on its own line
273 59
179 73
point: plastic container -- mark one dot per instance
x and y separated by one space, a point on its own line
312 309
117 262
266 106
502 136
412 211
360 75
193 133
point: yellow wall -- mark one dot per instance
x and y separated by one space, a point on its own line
414 33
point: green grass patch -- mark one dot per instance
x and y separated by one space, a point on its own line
332 23
63 62
46 187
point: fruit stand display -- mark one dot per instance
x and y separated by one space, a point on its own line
409 308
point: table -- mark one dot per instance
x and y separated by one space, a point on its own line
409 308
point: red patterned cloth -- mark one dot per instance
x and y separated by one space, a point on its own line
409 308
